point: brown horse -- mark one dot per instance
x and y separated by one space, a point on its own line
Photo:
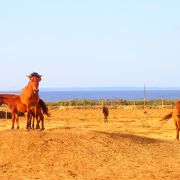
30 97
15 105
106 114
42 109
176 116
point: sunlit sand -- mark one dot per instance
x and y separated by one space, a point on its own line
78 145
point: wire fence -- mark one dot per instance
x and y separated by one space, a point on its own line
98 104
6 114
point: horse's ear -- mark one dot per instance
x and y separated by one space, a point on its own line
29 76
40 77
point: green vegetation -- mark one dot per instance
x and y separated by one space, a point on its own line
112 103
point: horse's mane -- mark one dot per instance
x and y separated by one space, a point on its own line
44 107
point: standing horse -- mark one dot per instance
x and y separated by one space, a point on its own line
42 109
176 116
30 97
15 105
106 114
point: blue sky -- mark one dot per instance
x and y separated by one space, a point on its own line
92 43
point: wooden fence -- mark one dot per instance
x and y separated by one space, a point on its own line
5 114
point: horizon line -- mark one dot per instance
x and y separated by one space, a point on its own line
98 88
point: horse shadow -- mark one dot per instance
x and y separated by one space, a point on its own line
131 137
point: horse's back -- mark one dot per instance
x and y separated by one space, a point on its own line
106 111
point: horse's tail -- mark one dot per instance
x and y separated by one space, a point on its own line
44 107
167 117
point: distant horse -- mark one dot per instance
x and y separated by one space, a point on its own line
106 114
15 105
176 116
30 97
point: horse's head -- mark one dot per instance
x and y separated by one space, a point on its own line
35 78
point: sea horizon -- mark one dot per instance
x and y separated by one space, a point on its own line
97 89
58 94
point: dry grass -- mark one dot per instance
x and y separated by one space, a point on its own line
78 145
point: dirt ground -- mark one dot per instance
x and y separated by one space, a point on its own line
78 145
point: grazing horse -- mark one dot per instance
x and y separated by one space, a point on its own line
30 97
106 114
15 105
176 116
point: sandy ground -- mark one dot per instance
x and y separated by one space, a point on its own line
78 145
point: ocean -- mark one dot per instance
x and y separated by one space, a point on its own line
128 95
50 96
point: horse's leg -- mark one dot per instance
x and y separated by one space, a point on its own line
177 131
106 119
42 120
43 128
28 118
178 125
13 119
17 120
33 118
37 125
37 118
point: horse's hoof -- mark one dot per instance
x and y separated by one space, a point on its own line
37 127
28 128
18 127
43 129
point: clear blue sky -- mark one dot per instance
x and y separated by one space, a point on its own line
83 43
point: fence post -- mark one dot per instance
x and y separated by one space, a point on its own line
102 103
145 98
134 104
162 104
